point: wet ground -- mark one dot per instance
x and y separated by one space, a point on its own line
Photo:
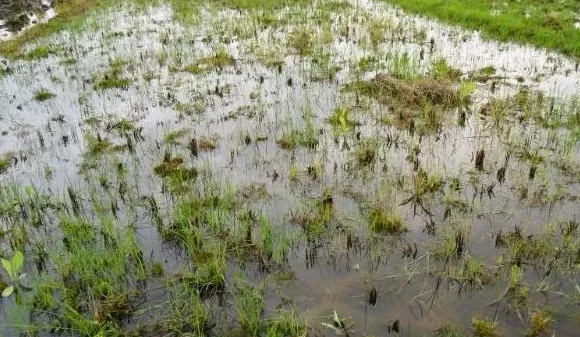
232 97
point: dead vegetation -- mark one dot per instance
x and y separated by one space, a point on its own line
413 92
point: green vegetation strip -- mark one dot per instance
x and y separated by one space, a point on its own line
71 14
548 24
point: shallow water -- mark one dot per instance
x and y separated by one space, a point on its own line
329 274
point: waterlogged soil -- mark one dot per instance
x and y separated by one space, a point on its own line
248 101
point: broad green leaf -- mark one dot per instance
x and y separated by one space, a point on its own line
8 267
8 291
17 262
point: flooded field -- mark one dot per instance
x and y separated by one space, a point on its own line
340 168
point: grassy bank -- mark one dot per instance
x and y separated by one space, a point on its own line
548 24
70 14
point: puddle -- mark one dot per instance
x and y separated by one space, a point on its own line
231 97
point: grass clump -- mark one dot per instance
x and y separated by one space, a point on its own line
219 60
366 153
5 163
413 92
440 69
316 221
302 40
172 167
257 4
340 120
483 327
174 137
378 32
97 146
382 221
38 53
448 331
249 304
539 324
473 273
210 272
124 125
286 323
483 74
307 136
206 144
188 315
112 78
190 109
43 94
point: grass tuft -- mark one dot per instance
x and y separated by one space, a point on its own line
43 94
383 221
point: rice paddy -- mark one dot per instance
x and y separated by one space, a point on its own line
284 168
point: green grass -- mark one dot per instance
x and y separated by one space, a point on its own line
38 53
483 327
302 40
250 304
113 78
550 25
5 163
220 60
71 15
383 221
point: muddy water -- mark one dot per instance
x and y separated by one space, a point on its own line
329 274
